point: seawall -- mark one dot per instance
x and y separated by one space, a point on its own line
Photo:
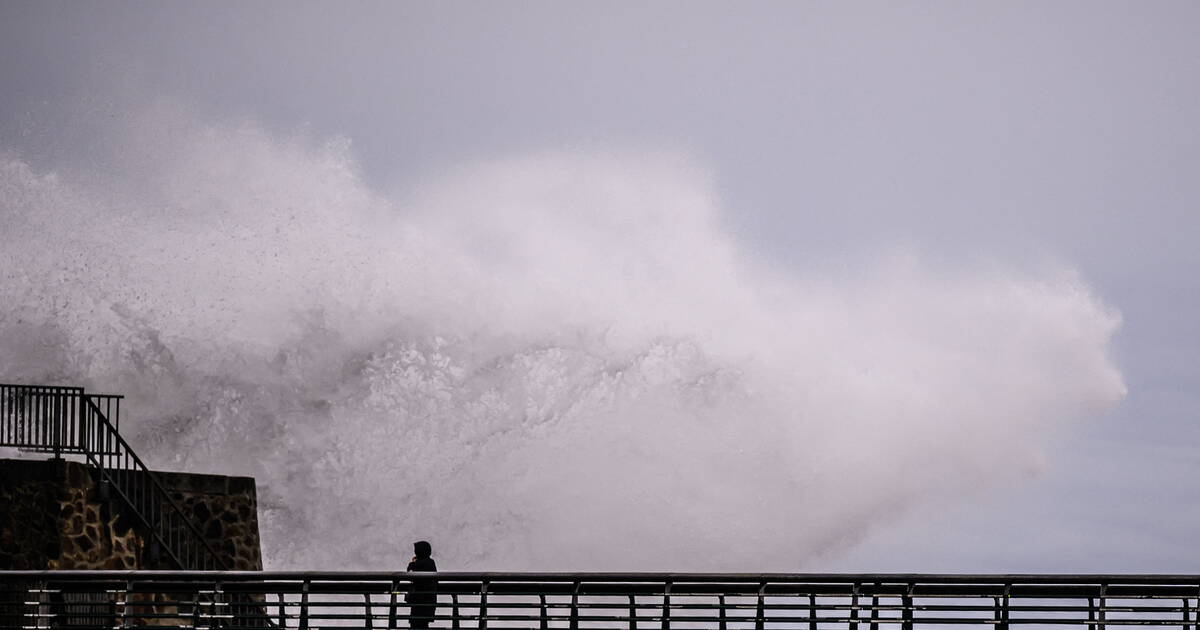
53 515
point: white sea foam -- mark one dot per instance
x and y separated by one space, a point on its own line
556 361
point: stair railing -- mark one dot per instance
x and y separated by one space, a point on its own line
67 420
129 478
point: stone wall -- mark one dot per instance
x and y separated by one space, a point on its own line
52 516
225 509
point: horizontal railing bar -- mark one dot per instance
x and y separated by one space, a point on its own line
41 387
677 580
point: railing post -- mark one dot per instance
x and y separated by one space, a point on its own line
57 419
875 607
666 609
853 625
812 611
721 603
543 617
573 622
221 606
1004 608
196 610
155 551
760 614
454 622
392 605
125 604
632 613
483 593
304 606
907 611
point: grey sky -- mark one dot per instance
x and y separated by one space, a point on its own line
965 130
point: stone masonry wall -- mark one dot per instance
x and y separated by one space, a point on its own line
225 509
53 517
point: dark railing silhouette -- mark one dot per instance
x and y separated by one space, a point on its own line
70 421
576 601
43 419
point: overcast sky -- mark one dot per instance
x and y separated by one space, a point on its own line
966 131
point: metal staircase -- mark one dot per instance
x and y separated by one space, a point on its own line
70 421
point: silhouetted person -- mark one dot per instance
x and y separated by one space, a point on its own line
422 599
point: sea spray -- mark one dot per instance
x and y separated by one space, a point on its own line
556 361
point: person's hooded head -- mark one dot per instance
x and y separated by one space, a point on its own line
422 549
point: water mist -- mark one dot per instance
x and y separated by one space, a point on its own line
556 361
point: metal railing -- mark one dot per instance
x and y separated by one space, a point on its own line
42 418
68 420
595 600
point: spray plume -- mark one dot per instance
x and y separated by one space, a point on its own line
549 362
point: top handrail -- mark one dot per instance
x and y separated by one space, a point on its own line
1186 579
62 387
